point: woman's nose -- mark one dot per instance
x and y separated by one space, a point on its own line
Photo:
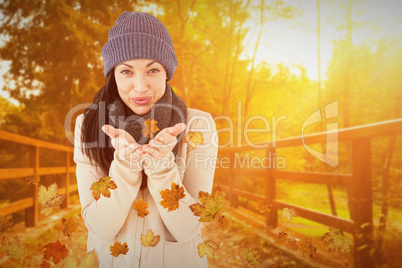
139 84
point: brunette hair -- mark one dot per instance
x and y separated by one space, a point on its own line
97 145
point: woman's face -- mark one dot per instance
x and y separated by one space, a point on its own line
140 83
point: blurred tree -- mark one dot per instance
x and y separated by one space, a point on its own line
54 49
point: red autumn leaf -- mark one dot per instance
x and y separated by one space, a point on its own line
55 251
45 264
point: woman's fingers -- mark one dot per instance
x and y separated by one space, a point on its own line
176 129
120 138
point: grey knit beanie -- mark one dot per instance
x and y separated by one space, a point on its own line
138 35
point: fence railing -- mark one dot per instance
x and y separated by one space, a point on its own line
359 183
30 204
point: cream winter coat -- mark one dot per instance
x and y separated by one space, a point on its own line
111 219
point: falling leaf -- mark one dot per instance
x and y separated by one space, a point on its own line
56 250
49 198
207 248
89 260
102 187
150 128
45 264
289 213
82 241
250 255
282 239
224 223
69 226
117 248
193 138
336 240
141 207
5 222
149 240
264 206
171 198
12 247
34 179
210 207
306 248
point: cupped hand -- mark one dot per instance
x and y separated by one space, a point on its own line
126 146
163 143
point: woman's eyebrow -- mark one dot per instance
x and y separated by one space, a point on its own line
125 64
149 64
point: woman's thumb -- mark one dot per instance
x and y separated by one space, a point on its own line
110 131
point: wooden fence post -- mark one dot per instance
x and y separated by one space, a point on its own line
31 213
232 182
362 203
270 189
65 182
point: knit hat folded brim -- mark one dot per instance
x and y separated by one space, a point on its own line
134 46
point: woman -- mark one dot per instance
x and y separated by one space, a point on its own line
134 133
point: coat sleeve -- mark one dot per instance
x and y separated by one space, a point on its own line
104 217
198 176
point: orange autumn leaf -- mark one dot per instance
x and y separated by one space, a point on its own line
306 248
207 248
102 187
224 223
150 239
5 222
211 206
193 138
251 256
117 248
264 206
49 198
45 264
282 239
69 226
171 198
150 128
289 213
55 251
141 207
34 179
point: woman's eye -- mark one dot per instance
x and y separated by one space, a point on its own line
154 70
125 72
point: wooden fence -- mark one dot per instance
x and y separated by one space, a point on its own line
30 204
359 183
